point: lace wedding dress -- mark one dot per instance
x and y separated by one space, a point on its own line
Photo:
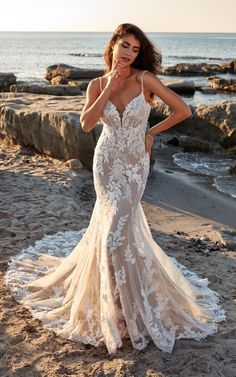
111 280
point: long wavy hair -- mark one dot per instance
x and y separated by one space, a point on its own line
149 57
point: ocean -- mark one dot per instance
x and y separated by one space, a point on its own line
214 166
27 54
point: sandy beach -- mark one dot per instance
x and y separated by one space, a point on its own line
40 195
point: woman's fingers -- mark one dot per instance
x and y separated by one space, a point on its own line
148 145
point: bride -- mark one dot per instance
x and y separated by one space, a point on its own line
116 282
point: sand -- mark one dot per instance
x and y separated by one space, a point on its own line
40 195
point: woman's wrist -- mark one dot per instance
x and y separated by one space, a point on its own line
150 135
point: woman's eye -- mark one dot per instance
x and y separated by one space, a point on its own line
126 46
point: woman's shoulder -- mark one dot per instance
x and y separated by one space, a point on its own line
141 73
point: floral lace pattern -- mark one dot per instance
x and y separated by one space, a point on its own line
111 280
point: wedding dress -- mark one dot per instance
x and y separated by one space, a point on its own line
111 280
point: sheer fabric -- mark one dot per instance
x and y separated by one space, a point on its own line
111 280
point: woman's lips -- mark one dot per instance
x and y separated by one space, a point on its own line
126 59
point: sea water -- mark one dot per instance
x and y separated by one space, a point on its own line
213 165
27 54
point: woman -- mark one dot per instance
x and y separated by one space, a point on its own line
117 282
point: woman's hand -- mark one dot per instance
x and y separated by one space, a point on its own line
148 143
116 75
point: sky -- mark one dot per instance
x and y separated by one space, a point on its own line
105 15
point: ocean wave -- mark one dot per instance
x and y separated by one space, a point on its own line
211 165
86 54
194 57
226 184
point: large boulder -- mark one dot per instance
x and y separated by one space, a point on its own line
50 124
192 144
197 69
182 87
222 84
70 72
60 80
229 66
212 122
6 80
55 90
221 116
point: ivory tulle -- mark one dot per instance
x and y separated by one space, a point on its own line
111 280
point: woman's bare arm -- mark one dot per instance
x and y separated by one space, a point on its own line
95 102
180 110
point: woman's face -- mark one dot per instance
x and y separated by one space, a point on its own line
126 49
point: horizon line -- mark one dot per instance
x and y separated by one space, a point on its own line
95 31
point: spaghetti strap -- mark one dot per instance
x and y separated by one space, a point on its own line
142 79
100 79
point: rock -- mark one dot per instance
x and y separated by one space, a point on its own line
193 69
207 90
51 125
230 67
232 170
191 144
231 152
74 164
56 90
71 72
228 238
181 87
212 122
6 80
222 84
212 278
222 116
174 141
82 84
59 80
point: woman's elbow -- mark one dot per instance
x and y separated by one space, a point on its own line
187 112
84 124
87 127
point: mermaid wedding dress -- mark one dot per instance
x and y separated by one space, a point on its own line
111 280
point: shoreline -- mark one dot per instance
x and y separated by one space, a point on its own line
182 188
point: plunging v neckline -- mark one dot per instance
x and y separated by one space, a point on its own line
121 116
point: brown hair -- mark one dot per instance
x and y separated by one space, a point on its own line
149 57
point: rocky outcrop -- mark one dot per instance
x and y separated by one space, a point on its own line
191 144
59 80
56 90
222 84
229 66
6 80
221 116
211 122
182 87
70 72
51 125
199 69
231 152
